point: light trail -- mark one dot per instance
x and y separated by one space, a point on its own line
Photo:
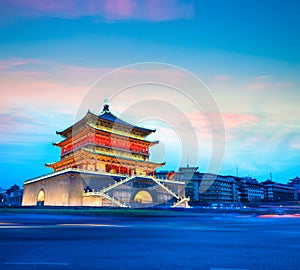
24 226
37 263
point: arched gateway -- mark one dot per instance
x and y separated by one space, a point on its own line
143 196
41 198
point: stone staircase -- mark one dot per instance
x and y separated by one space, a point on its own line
181 202
164 187
116 184
114 200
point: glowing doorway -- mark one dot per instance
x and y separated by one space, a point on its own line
143 197
41 198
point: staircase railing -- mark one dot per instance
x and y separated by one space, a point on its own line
164 187
103 192
114 200
182 200
116 184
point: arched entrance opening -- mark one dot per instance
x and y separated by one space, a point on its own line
41 198
143 196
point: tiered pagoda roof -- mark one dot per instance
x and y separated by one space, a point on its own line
108 140
106 116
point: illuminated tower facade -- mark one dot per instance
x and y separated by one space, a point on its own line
105 143
104 161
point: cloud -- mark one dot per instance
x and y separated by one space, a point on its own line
264 77
237 120
32 83
71 72
220 78
258 86
119 9
148 10
20 126
267 82
295 143
165 10
47 86
39 93
16 62
230 120
38 98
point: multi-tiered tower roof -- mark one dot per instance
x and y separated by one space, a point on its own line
105 143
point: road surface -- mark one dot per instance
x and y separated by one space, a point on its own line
194 241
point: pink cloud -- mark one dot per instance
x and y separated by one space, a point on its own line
54 8
265 77
16 120
83 72
229 120
33 90
21 125
120 8
267 82
149 10
40 89
258 86
16 62
158 10
17 126
60 89
35 100
40 94
45 5
235 120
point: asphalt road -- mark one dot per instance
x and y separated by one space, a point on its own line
32 241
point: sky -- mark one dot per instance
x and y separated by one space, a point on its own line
238 60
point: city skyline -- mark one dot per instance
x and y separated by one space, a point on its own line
247 54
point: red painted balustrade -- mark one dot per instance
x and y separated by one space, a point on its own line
103 141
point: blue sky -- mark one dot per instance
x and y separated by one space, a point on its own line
246 52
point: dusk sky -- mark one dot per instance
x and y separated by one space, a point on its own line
246 52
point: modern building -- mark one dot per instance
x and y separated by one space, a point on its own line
208 188
251 190
216 188
189 175
277 192
295 183
104 161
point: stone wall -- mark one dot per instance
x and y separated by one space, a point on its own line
67 189
61 190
